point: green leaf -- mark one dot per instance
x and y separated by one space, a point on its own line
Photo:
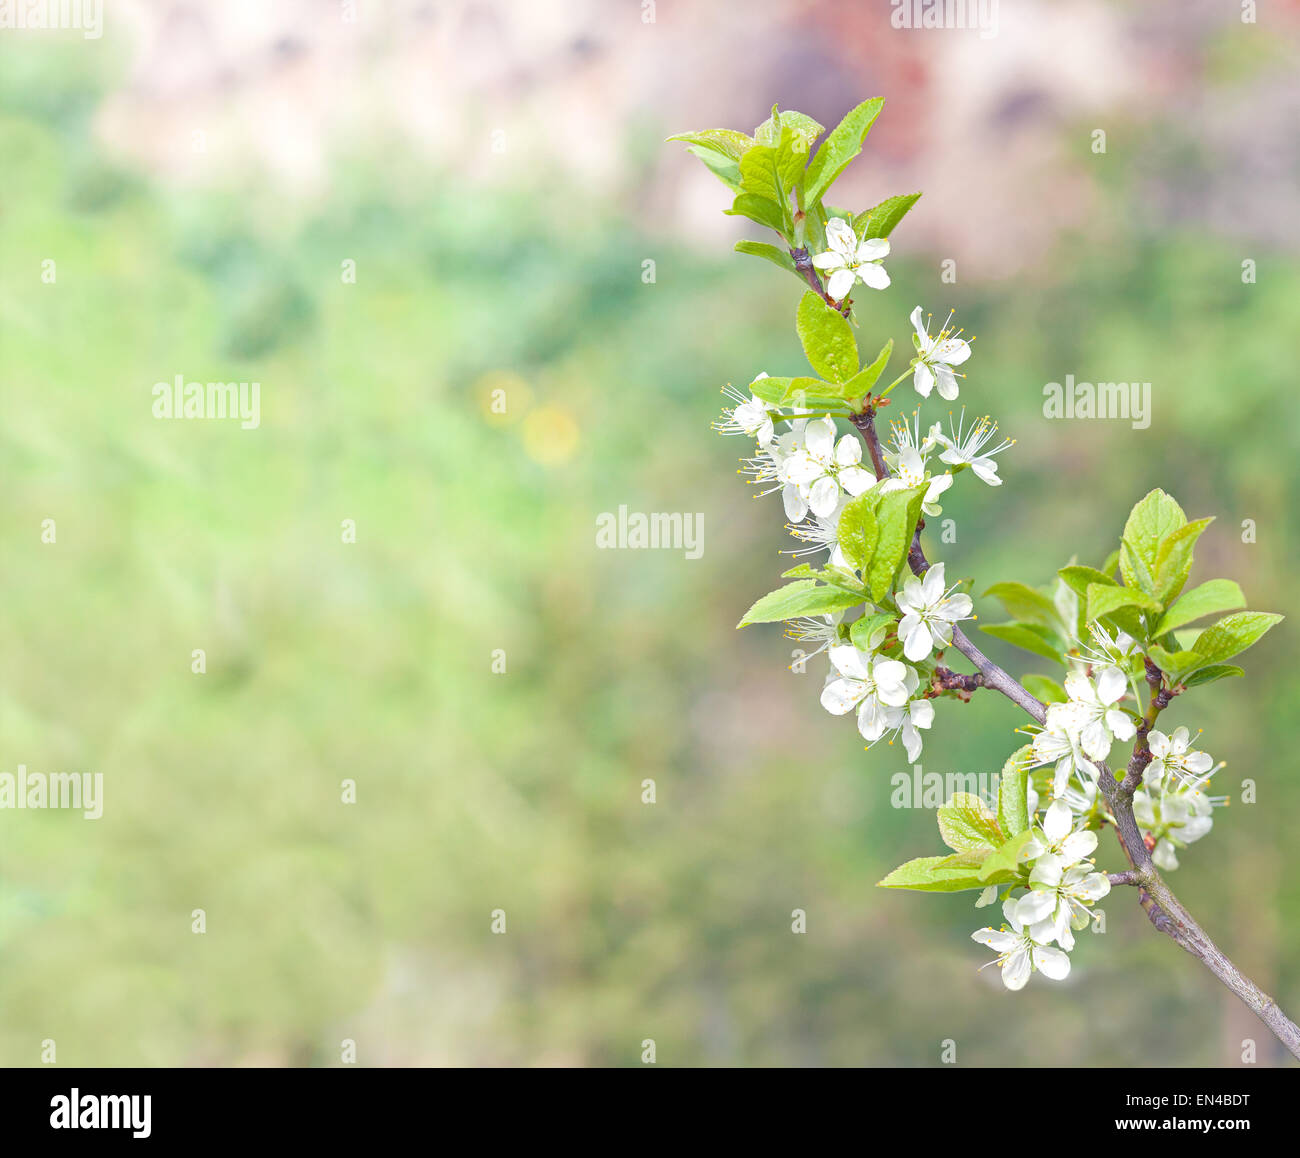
834 576
1152 520
880 221
785 391
1044 688
1026 603
1028 637
1077 578
827 339
720 165
1104 600
858 532
803 597
1174 664
1013 785
1233 634
770 253
966 823
728 142
1208 599
758 209
972 859
862 382
804 129
1174 559
928 874
1207 675
840 147
791 160
864 629
759 174
1004 864
1134 570
896 517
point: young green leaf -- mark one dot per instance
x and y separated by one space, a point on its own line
1026 603
804 129
1004 864
795 391
1013 785
729 142
1077 578
758 209
719 164
827 339
834 576
1174 559
1105 600
862 382
896 517
772 253
928 874
1208 599
880 221
802 597
1153 519
1174 664
858 532
1207 675
1233 634
839 148
966 823
1028 637
867 632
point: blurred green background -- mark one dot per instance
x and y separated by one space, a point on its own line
502 250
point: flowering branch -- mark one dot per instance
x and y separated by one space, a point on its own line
1032 851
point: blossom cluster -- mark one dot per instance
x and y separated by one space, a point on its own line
1076 737
884 672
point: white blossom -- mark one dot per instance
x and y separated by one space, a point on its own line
935 358
1057 837
906 721
969 447
823 630
1062 896
908 462
822 533
1173 758
872 685
1023 949
1174 819
849 260
1081 731
751 416
929 612
820 467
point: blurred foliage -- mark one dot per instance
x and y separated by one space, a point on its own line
475 531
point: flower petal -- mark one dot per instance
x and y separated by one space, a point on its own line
840 283
1052 963
873 275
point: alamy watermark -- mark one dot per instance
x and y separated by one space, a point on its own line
660 530
82 790
1126 400
921 789
84 16
181 399
980 14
